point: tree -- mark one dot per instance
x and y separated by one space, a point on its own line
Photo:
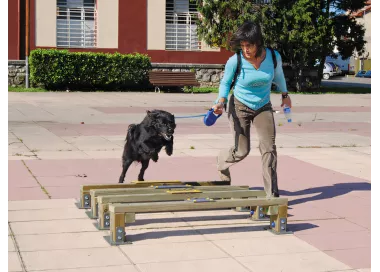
345 33
290 27
303 31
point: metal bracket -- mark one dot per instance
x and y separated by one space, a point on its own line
260 216
87 201
120 235
283 222
283 225
106 220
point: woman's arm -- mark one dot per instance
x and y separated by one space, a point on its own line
225 83
279 78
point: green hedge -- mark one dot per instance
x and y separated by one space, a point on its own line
61 69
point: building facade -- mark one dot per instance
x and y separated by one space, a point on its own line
163 29
363 16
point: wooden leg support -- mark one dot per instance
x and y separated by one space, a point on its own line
95 210
278 222
104 219
117 228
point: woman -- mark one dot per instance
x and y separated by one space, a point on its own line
251 102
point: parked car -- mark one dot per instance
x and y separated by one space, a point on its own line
361 73
367 74
347 66
336 69
328 71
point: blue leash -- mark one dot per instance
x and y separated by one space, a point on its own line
190 116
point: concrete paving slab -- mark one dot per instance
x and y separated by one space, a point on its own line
14 264
54 226
156 253
258 246
19 176
221 265
62 154
73 258
28 193
354 257
300 261
233 231
162 235
338 240
48 214
320 227
40 204
156 221
58 241
118 268
11 245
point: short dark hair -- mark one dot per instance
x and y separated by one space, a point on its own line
249 32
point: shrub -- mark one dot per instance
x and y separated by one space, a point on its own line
61 69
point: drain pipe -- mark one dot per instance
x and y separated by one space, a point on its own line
27 44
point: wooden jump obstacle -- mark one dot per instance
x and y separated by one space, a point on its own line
167 195
122 213
85 197
116 205
173 189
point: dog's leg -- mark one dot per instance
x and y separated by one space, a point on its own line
144 166
169 147
126 163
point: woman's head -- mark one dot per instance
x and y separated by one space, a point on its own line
249 39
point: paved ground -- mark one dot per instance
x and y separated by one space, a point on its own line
341 81
58 141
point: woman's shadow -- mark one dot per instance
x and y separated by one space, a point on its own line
323 192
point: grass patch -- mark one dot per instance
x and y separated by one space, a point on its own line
202 90
25 90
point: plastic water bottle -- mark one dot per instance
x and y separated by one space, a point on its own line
288 113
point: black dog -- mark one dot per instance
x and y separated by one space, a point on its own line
145 140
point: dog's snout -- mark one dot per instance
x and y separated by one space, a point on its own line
170 130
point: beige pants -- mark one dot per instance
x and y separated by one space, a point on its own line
240 118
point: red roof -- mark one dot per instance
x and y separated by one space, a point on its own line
359 13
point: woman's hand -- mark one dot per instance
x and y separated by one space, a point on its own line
218 108
286 101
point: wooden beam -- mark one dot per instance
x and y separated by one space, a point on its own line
95 193
103 201
85 199
171 206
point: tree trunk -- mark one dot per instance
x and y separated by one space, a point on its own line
299 79
320 69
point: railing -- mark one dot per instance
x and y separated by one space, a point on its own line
76 27
181 31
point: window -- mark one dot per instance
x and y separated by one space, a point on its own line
181 28
76 23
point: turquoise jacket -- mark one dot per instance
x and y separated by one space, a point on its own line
252 86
